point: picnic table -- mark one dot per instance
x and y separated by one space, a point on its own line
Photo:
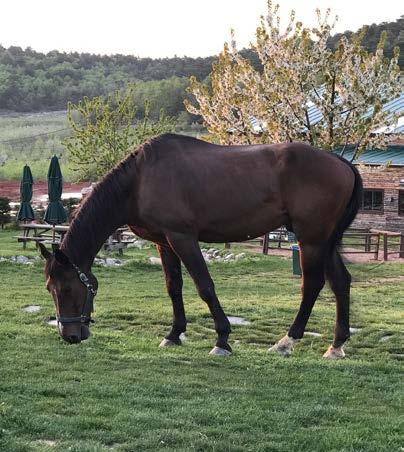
119 240
37 232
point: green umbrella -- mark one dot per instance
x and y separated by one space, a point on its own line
26 213
55 213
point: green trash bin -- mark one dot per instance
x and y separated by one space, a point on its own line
296 261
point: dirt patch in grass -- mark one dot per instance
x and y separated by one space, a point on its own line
11 189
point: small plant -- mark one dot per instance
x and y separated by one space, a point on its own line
5 209
70 204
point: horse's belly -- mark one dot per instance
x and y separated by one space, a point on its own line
242 229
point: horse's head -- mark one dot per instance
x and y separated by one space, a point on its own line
72 293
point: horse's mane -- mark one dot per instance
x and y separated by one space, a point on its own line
105 196
102 203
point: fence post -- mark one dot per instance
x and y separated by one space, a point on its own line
367 241
401 246
265 244
377 247
385 254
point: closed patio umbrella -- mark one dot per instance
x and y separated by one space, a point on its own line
55 213
25 213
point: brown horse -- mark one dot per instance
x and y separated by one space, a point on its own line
177 191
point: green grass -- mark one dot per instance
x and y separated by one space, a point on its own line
25 139
119 391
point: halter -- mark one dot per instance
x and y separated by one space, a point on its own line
88 307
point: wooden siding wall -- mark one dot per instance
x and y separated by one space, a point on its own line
387 179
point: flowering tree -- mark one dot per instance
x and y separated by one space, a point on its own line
300 75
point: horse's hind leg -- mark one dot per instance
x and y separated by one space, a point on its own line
173 276
312 259
187 248
340 283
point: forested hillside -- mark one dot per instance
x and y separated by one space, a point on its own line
395 37
32 81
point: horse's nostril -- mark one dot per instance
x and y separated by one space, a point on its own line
73 339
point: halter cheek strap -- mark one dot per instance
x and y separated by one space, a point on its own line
88 307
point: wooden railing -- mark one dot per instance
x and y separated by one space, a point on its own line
355 241
361 241
393 243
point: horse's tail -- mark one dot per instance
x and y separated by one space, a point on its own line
351 209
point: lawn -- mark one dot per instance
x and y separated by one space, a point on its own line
119 391
32 139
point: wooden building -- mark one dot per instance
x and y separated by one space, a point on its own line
383 179
383 196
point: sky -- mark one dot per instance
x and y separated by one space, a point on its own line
163 28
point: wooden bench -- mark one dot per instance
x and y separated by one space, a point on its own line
43 239
41 232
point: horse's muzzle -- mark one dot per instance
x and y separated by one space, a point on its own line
74 333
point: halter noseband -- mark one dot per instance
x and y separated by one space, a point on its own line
85 316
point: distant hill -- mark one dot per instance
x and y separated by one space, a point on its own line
33 81
395 37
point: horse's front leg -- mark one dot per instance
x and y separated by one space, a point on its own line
172 272
187 248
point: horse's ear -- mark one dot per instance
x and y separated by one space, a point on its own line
61 257
44 252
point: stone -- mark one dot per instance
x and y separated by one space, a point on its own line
111 262
52 322
139 244
46 443
155 261
354 330
22 259
312 333
237 320
385 338
32 308
239 256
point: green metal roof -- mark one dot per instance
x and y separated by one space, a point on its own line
393 154
394 106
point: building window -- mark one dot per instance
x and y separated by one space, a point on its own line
372 201
401 202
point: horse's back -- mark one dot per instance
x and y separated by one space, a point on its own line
245 189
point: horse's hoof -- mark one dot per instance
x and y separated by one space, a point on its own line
334 353
284 346
168 343
217 351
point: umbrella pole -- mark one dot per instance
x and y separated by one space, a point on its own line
53 238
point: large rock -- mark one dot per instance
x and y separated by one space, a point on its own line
239 256
22 259
155 261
